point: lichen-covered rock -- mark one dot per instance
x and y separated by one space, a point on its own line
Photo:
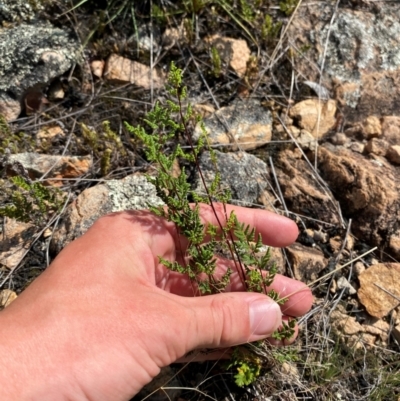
243 174
32 55
244 124
359 53
131 193
53 166
10 108
18 10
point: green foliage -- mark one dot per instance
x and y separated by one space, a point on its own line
269 29
247 11
247 364
216 62
15 142
288 6
104 144
31 201
286 331
165 125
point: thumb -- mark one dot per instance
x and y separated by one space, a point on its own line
229 319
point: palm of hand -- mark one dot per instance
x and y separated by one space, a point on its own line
110 315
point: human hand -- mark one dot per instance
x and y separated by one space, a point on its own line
103 319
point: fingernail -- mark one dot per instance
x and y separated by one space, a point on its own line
265 317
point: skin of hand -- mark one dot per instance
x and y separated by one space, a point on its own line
105 316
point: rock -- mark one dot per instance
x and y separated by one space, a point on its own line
307 263
16 239
123 70
33 55
174 37
243 174
56 92
377 146
393 154
276 258
145 40
357 147
6 297
344 323
10 108
339 139
391 129
50 133
17 10
204 110
359 268
233 52
302 192
58 167
335 243
377 301
306 140
315 116
343 283
295 131
318 236
377 327
372 127
366 189
359 53
245 124
394 245
131 193
97 68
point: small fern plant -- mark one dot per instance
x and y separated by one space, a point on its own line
30 202
168 124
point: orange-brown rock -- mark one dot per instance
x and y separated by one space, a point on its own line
97 68
371 127
49 133
377 146
17 237
380 288
377 327
393 154
315 116
368 191
123 70
391 129
233 52
303 193
6 297
306 262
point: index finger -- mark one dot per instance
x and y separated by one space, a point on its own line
276 230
